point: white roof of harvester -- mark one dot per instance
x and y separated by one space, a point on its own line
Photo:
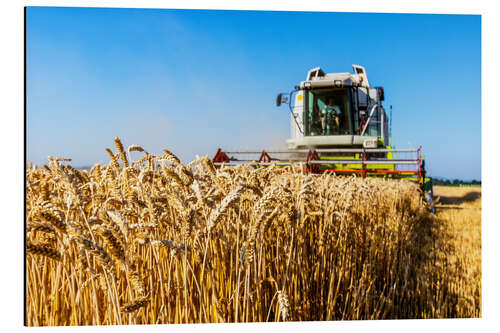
316 78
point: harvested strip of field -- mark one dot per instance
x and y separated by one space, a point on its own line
150 240
459 212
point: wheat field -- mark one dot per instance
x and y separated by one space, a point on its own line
148 240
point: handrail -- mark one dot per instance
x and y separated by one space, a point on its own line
326 150
313 161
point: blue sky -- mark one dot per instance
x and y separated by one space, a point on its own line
192 81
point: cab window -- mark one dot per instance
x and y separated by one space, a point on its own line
328 112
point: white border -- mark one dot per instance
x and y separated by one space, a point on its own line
11 31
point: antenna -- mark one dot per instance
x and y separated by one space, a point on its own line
390 128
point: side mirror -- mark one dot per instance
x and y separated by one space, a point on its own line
278 99
381 93
281 99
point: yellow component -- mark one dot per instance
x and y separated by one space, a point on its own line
300 97
353 166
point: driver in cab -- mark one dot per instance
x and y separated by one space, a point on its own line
330 113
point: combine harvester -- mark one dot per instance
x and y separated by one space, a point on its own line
338 125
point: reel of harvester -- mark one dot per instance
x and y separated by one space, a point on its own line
364 162
382 163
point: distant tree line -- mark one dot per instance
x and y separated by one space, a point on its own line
455 182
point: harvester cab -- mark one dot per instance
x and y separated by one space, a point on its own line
338 110
337 125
